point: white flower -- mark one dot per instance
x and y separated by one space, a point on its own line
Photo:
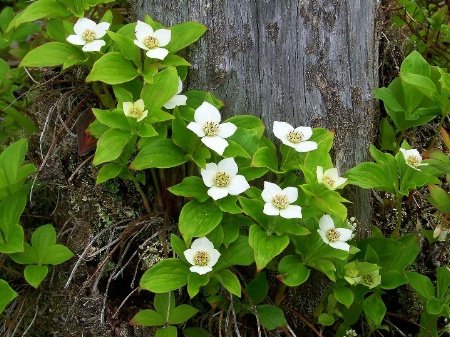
335 237
152 41
440 233
177 99
351 333
88 34
222 179
202 256
278 201
207 126
135 110
330 178
412 158
296 138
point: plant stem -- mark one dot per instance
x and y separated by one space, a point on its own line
433 140
141 192
400 139
158 190
396 232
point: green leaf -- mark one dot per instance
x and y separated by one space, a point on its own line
165 276
195 332
374 307
370 175
112 68
11 209
178 246
266 246
292 271
326 319
195 282
127 47
414 63
325 266
34 275
327 201
168 331
229 281
185 34
148 317
421 284
110 146
237 253
56 254
254 209
114 119
388 139
163 88
443 281
392 279
107 172
344 295
228 204
270 316
198 219
182 313
51 54
13 242
266 157
11 158
191 187
258 288
439 198
161 153
7 294
164 303
434 306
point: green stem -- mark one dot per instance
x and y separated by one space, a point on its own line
141 192
396 232
158 190
433 140
400 138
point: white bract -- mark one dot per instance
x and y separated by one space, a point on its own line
177 99
412 158
88 34
222 179
207 126
296 138
440 232
330 178
135 110
335 237
152 41
202 256
278 201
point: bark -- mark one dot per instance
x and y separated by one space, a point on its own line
310 63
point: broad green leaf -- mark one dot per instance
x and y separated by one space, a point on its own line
270 316
422 83
392 279
148 317
254 209
164 303
178 246
228 204
114 119
112 68
327 201
165 276
248 122
265 157
56 254
163 88
110 145
161 153
325 266
434 306
421 284
229 281
370 175
34 274
191 187
443 282
387 134
237 253
107 172
265 246
129 50
414 63
326 319
195 332
51 54
344 295
292 271
168 331
7 294
11 209
374 307
258 288
195 282
146 130
439 198
185 34
198 219
182 313
11 158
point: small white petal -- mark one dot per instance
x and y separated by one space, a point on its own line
291 193
143 30
202 244
200 269
100 29
217 192
326 223
143 115
180 85
319 172
215 143
140 45
207 113
139 104
340 181
332 173
127 106
157 53
76 39
196 128
306 131
163 36
208 174
94 45
82 24
270 209
213 257
281 129
323 235
270 191
226 130
189 254
305 146
229 166
291 212
340 245
238 185
175 101
345 234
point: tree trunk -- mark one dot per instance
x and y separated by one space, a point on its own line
310 63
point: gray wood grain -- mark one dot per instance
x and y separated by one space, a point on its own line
310 63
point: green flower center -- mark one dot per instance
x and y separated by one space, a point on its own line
329 181
351 272
222 179
89 35
333 235
413 161
201 258
211 128
295 136
136 112
151 42
367 279
280 201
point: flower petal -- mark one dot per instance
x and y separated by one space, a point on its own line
196 128
189 254
270 209
291 193
340 245
323 235
139 104
163 36
340 181
100 29
229 166
306 131
95 45
202 244
144 114
332 173
270 191
207 113
319 172
200 269
281 129
215 143
213 257
140 45
143 30
180 85
238 185
305 146
326 223
345 234
291 212
208 174
175 101
127 106
226 130
82 24
76 39
217 192
157 53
